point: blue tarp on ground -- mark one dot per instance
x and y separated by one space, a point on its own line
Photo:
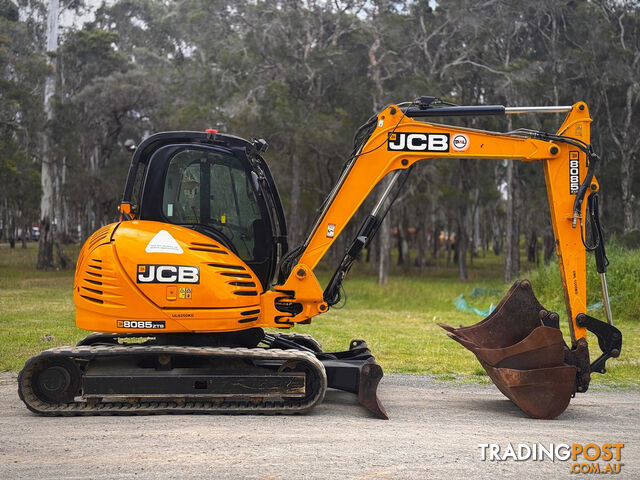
461 304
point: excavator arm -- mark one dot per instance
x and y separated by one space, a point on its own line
400 140
397 138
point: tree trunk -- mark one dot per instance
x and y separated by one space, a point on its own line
372 255
404 257
450 244
399 243
384 239
497 227
477 240
435 233
294 223
12 231
461 251
63 206
628 148
464 222
549 246
384 251
5 221
626 182
421 243
63 260
532 247
512 247
45 246
407 239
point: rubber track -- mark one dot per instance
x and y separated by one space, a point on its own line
180 405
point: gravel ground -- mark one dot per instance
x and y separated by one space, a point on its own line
434 432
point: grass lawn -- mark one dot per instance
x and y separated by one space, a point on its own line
398 320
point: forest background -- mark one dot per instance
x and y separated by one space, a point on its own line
80 84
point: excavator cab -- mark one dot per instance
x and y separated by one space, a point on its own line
217 185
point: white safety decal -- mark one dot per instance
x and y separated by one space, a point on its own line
163 242
331 230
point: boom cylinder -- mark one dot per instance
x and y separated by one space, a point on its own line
480 111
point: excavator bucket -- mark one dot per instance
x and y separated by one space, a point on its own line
521 348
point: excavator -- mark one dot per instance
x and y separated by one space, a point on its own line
180 290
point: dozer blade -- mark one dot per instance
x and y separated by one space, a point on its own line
370 376
523 352
356 371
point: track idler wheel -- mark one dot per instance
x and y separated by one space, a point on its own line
522 350
56 381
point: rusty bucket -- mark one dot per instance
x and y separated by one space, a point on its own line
521 348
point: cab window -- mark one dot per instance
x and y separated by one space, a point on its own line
212 189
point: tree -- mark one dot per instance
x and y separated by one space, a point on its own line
304 74
620 90
21 73
47 203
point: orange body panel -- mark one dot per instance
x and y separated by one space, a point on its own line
107 292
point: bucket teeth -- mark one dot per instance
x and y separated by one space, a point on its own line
523 357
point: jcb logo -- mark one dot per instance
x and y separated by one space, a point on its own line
419 142
168 274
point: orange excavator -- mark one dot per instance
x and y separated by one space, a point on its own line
181 289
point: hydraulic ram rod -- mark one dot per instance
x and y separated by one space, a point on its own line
480 110
605 298
553 109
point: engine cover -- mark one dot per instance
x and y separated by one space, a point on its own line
148 276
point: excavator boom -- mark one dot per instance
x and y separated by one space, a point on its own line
396 139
